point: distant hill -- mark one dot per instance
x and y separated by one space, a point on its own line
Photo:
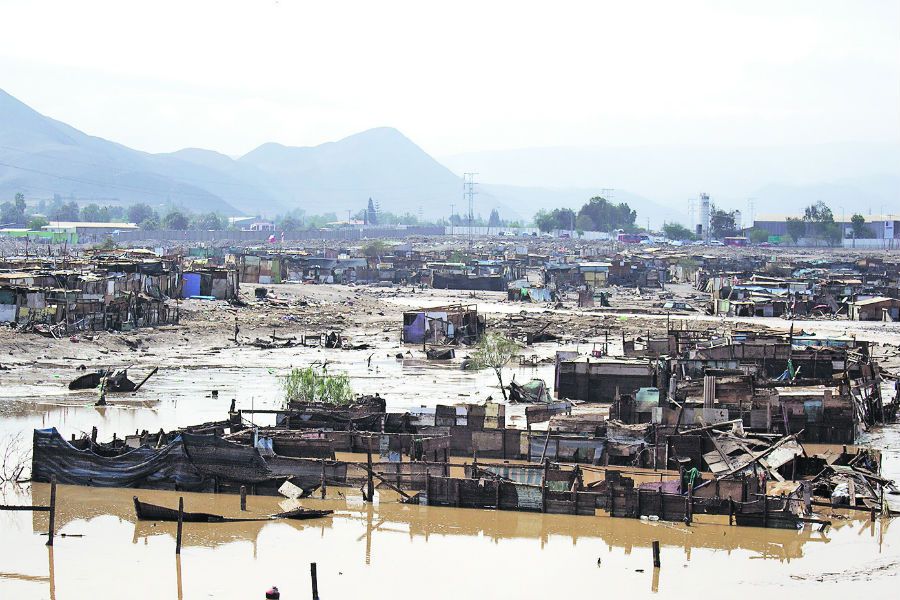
337 176
41 157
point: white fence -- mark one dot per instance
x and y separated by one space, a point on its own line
882 244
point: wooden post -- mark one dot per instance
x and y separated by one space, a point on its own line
322 485
243 497
655 554
315 581
427 485
370 484
690 510
544 486
52 531
765 510
180 524
730 511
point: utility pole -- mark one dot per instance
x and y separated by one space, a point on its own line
469 195
452 212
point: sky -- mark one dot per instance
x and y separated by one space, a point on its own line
458 76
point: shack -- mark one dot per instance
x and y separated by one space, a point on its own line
602 379
442 325
875 309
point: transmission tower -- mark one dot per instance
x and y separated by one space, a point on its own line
469 196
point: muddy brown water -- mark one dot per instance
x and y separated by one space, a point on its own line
389 549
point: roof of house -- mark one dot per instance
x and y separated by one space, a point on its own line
875 300
88 225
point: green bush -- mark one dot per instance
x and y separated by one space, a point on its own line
309 385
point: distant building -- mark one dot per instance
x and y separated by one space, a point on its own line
86 227
883 226
251 224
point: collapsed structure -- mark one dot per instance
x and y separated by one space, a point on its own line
826 389
104 290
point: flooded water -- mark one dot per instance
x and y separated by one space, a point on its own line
389 549
181 392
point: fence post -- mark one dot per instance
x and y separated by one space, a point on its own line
243 497
370 484
52 529
315 581
180 523
655 554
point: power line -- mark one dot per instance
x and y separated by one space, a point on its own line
469 195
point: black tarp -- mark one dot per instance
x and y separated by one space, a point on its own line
191 462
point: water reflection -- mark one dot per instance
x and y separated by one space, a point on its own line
79 504
363 546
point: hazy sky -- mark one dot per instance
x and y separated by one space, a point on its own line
458 76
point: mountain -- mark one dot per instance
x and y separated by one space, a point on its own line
380 163
41 157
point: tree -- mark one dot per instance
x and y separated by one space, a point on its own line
494 351
607 216
20 208
176 220
64 211
721 223
309 385
818 213
13 213
140 212
151 223
758 236
376 248
796 228
8 213
821 220
860 229
584 223
494 219
36 223
544 221
677 232
290 223
371 214
207 221
94 214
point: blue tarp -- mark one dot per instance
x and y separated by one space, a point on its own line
190 285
